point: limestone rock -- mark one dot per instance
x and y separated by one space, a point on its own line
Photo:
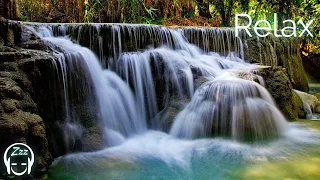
311 100
317 109
317 95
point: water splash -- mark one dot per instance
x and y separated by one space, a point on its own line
230 107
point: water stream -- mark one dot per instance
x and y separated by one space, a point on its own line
225 124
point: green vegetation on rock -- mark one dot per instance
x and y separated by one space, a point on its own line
280 87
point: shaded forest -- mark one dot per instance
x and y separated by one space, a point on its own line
214 13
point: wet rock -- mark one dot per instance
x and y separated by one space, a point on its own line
12 126
311 100
19 119
34 44
92 139
317 109
317 106
174 107
10 105
280 87
6 66
282 52
10 89
10 32
199 81
12 56
7 49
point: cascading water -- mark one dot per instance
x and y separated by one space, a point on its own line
114 100
229 106
146 67
173 65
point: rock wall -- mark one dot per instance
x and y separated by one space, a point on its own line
282 52
30 100
19 114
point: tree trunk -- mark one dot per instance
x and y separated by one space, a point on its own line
222 10
204 10
8 9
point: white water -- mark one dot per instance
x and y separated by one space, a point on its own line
229 106
225 107
115 100
217 108
117 108
157 155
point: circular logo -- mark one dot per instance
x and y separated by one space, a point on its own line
18 159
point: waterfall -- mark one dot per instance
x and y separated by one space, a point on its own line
115 102
117 108
141 67
308 110
230 107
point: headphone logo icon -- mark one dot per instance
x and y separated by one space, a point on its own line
18 159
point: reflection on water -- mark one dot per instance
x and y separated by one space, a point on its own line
314 88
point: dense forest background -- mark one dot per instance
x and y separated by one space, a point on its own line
215 13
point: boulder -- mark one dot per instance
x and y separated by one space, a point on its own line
282 52
279 86
317 109
311 100
317 95
317 106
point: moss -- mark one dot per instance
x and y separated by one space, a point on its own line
280 87
10 105
9 88
93 139
282 52
297 106
12 126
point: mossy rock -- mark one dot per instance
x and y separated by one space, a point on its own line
282 52
10 105
12 126
280 87
9 89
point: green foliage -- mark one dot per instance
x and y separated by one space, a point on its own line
155 11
